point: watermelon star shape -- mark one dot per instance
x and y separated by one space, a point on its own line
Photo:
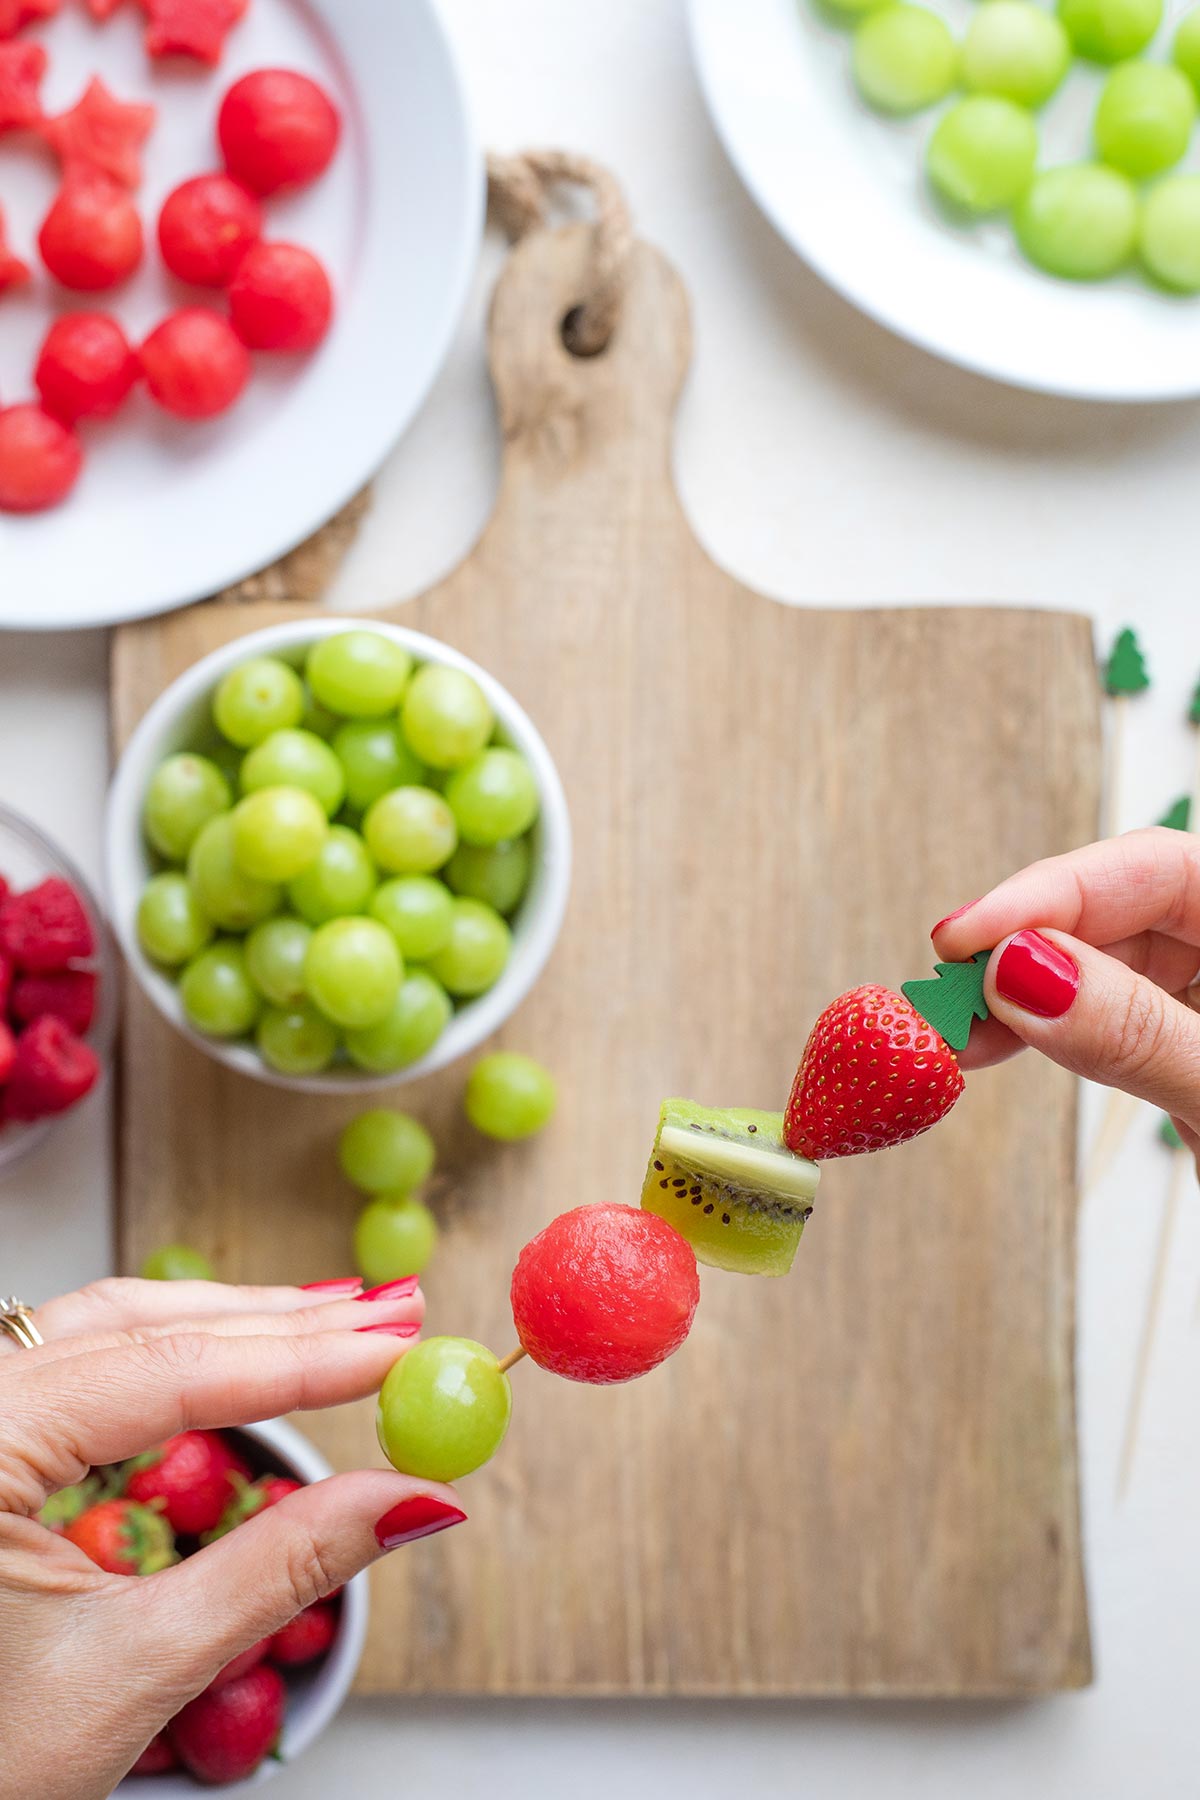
22 67
101 135
15 13
190 27
12 270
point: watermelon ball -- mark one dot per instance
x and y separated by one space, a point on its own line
40 459
85 368
206 227
277 129
92 236
280 298
605 1293
195 363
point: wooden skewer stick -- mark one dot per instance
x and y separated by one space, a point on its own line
1113 752
1180 1162
513 1357
1120 1109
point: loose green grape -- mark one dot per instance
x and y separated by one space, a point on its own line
904 58
296 1040
495 873
352 970
374 759
297 759
358 674
278 833
393 1237
172 926
1109 31
217 993
419 1016
260 696
410 831
1080 222
177 1262
509 1096
1014 49
493 798
1170 237
1144 118
417 910
275 952
475 954
185 792
983 152
340 881
317 718
446 718
1185 51
383 1151
443 1409
233 900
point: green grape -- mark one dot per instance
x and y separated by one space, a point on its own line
410 831
1079 222
417 1020
495 873
417 910
217 993
275 952
185 792
509 1096
358 674
340 881
446 718
983 152
258 697
1185 51
1170 239
904 58
317 718
384 1152
177 1262
171 925
495 797
352 970
374 759
296 1040
1109 31
393 1237
474 956
1014 49
1144 118
278 833
233 900
297 759
443 1409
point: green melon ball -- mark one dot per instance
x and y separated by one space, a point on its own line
1014 49
904 58
1170 234
1109 31
1079 222
395 1236
983 152
1185 51
1144 118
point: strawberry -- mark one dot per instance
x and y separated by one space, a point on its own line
251 1497
46 927
51 1070
226 1732
242 1664
123 1538
69 995
305 1637
193 1477
63 1508
157 1758
8 1052
874 1073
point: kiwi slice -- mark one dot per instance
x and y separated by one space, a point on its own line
723 1177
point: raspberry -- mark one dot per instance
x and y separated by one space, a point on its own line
46 927
277 129
206 227
51 1070
195 363
280 298
40 459
22 67
92 236
85 367
69 995
101 135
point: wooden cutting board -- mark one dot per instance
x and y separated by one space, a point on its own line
858 1480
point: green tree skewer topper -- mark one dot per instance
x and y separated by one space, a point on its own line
1125 674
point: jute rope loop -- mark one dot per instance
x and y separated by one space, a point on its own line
519 193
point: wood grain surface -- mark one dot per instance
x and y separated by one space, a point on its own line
858 1480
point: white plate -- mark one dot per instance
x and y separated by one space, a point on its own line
845 189
167 512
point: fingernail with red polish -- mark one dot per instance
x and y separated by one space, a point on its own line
342 1284
416 1518
1037 976
950 917
393 1290
404 1331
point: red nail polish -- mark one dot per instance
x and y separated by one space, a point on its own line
950 917
1037 976
404 1331
342 1284
393 1290
416 1518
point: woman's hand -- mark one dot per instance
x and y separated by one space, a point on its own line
92 1665
1096 955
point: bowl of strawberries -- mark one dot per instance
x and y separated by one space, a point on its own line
57 987
269 1703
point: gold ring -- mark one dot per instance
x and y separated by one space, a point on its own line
17 1321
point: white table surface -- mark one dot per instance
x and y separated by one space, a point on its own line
820 458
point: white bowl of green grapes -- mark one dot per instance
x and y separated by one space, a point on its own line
338 854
